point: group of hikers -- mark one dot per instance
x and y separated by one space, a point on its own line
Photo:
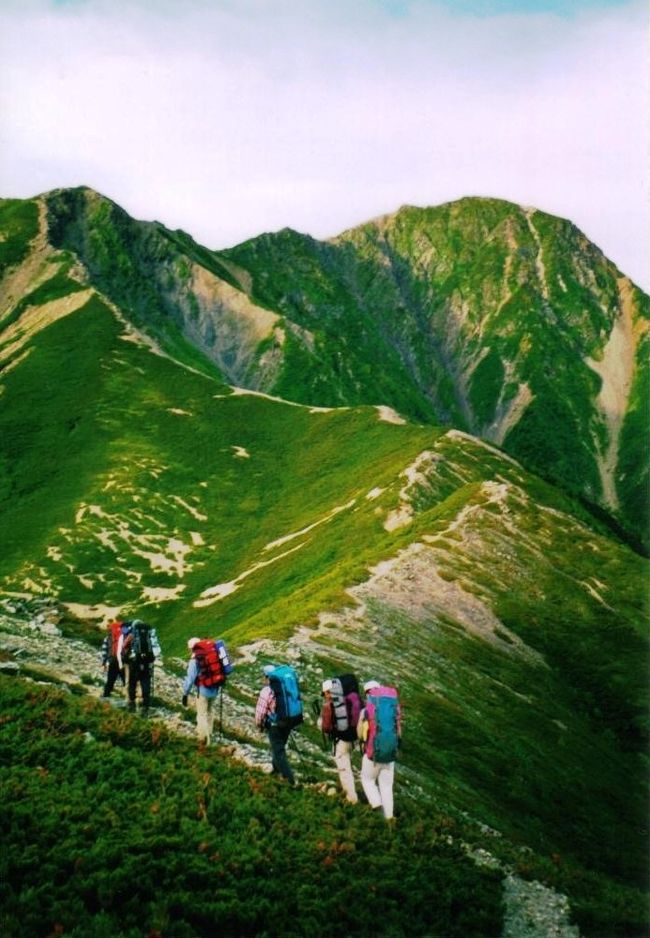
347 716
128 653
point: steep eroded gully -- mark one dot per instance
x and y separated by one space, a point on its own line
616 371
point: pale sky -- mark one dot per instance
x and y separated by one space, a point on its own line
228 118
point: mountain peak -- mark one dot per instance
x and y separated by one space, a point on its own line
456 210
72 192
314 530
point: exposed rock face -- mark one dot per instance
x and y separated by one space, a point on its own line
164 289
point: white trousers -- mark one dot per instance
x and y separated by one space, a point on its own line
377 780
342 758
204 718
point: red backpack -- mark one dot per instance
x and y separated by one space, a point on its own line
211 670
114 633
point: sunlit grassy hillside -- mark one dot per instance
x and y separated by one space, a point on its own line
130 479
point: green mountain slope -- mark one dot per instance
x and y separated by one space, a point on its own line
134 479
508 322
497 319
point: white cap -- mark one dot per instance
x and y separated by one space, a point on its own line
192 642
268 669
327 685
370 685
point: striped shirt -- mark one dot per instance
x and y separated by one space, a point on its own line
265 705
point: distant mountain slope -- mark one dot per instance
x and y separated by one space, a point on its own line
515 633
480 314
508 321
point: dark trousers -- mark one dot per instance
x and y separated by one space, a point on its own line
278 737
140 674
112 674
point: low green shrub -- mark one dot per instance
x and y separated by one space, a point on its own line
114 827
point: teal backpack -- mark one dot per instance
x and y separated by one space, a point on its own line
288 702
383 716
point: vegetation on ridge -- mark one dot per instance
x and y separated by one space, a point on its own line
473 306
158 839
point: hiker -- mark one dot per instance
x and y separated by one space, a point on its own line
338 720
137 649
379 729
206 673
110 663
278 711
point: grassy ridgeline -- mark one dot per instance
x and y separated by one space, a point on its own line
130 831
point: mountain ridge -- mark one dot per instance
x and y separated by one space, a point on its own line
341 533
473 359
384 314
